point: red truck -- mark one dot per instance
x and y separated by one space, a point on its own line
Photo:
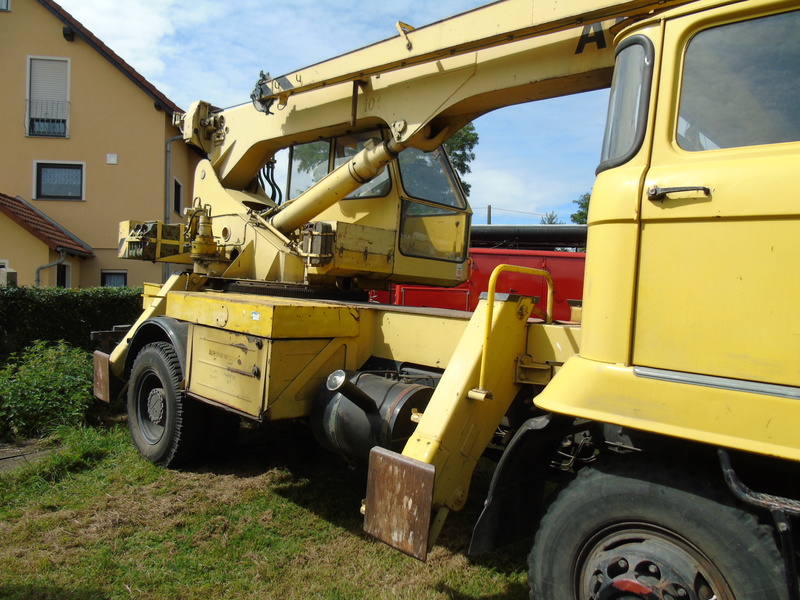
527 246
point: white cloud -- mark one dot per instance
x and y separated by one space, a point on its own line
132 29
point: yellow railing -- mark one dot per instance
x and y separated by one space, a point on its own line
490 312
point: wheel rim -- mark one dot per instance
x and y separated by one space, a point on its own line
151 406
632 561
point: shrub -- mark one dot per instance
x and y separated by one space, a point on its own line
29 314
42 387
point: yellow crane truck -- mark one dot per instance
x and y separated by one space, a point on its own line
671 410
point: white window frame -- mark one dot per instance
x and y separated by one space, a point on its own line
28 98
35 187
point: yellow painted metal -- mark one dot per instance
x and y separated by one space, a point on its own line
299 368
270 378
488 324
454 429
453 90
229 368
419 336
547 348
759 423
156 307
272 366
150 291
265 316
359 250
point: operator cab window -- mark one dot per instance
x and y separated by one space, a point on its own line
741 85
313 161
309 164
435 219
346 147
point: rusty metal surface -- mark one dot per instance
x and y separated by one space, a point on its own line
399 501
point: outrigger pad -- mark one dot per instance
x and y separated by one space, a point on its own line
102 376
399 501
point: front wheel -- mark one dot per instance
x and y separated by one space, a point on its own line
164 423
628 531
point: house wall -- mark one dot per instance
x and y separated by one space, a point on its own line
109 115
22 250
25 253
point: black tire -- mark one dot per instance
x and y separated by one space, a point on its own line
164 423
646 529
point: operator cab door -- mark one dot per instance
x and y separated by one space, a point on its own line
718 272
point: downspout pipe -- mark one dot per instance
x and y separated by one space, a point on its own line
167 186
60 261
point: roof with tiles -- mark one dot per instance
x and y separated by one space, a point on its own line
43 227
78 29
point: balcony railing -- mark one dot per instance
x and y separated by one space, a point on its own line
48 118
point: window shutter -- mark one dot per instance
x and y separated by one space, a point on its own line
48 79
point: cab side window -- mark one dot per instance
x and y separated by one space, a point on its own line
741 85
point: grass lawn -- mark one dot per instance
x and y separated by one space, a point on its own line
277 519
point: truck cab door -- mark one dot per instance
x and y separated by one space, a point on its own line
720 211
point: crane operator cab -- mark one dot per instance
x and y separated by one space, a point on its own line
407 221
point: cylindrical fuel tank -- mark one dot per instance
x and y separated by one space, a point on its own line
355 411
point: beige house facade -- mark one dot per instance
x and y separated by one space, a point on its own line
86 144
35 244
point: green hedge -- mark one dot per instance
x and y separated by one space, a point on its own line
29 314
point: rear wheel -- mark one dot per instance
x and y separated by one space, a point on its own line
628 532
164 423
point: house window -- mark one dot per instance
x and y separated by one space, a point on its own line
62 276
48 97
177 196
59 181
113 278
5 5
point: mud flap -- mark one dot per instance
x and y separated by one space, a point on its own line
399 501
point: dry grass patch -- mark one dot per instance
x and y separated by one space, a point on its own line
279 519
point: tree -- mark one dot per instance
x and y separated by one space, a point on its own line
551 218
582 214
460 150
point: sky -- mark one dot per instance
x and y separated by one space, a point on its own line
531 159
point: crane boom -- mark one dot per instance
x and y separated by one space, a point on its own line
511 20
